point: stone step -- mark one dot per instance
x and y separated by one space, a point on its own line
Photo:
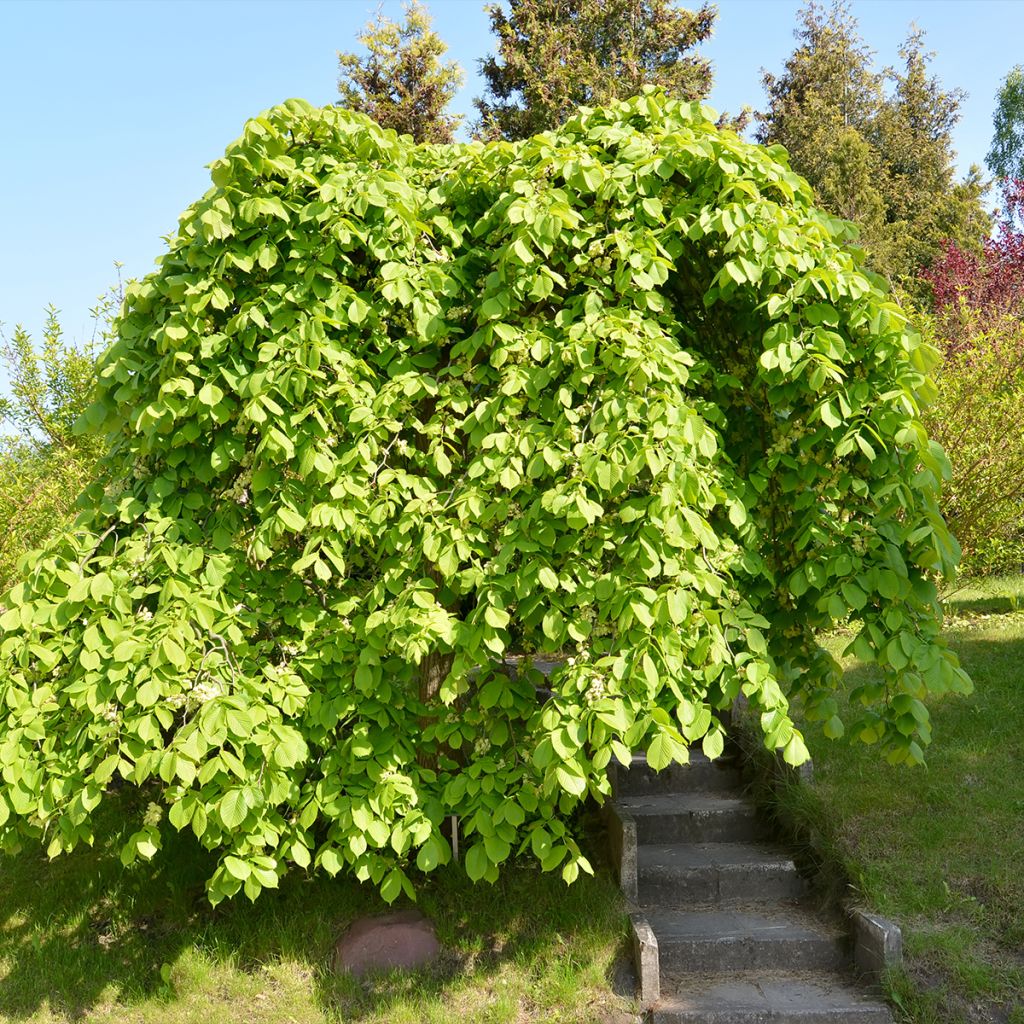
691 818
678 875
771 938
701 774
760 998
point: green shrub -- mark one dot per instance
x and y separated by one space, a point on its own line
977 419
44 466
387 414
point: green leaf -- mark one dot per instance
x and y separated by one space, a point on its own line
101 587
104 771
713 743
496 617
432 853
330 860
291 519
391 887
663 751
146 848
828 416
237 868
834 728
571 781
210 394
267 257
173 653
477 863
651 673
795 752
233 809
552 624
442 462
497 849
547 577
290 748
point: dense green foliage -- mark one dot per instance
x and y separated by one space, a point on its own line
400 81
875 145
1005 158
977 301
386 415
976 417
556 55
44 465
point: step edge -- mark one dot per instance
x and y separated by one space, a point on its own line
798 930
685 802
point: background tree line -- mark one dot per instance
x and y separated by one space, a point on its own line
875 143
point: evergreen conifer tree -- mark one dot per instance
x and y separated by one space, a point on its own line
875 145
556 55
401 81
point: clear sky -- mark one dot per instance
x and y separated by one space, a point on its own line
113 108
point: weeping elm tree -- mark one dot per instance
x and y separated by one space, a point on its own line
387 414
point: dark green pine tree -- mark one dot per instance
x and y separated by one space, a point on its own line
400 81
556 55
875 145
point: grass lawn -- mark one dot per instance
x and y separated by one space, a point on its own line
985 594
941 848
83 939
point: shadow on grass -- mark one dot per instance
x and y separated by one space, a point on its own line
995 604
83 931
527 919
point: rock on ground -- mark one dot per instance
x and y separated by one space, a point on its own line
404 939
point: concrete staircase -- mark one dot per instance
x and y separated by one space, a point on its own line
722 915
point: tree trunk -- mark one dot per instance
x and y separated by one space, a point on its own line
434 669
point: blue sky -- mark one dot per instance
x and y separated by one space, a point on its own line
113 108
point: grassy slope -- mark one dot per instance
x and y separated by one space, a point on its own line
941 849
83 939
986 594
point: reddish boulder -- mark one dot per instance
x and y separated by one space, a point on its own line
405 939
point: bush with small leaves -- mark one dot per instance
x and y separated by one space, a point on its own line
976 418
43 464
388 415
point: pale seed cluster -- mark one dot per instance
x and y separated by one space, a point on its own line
238 492
785 441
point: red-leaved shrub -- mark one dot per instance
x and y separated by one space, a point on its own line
989 283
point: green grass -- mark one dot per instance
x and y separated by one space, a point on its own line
941 848
83 939
985 594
